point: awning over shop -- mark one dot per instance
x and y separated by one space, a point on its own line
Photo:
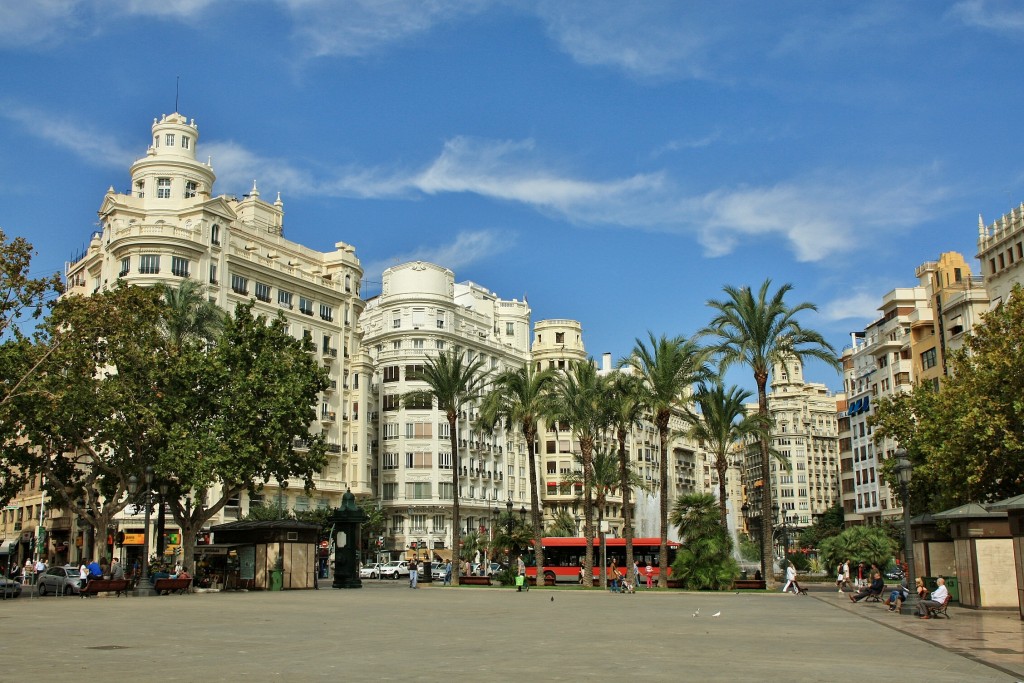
445 555
8 547
216 548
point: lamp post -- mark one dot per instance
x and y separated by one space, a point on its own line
143 587
904 471
508 525
783 522
495 516
775 513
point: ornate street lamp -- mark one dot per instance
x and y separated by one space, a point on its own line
904 471
143 587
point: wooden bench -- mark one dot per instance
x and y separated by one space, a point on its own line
749 584
474 581
548 580
171 585
872 596
97 586
934 612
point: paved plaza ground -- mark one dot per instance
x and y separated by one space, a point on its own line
386 632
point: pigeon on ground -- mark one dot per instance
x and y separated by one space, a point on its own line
717 614
697 613
552 598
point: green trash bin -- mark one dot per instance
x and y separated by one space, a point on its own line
276 579
954 588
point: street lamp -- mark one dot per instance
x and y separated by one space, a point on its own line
904 472
143 587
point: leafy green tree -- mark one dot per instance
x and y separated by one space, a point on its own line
625 410
270 512
966 442
240 406
93 412
520 397
759 332
704 560
22 299
829 523
868 544
722 424
667 370
189 316
514 543
455 380
470 545
576 397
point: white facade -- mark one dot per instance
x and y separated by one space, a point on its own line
170 226
420 313
1001 252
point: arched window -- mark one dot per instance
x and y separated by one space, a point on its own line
215 234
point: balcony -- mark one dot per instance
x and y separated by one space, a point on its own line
300 444
330 352
333 448
328 417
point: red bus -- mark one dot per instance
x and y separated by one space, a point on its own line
563 556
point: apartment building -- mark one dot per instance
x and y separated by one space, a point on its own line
1001 252
169 225
420 313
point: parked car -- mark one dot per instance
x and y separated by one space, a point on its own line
370 571
9 588
437 570
394 569
59 581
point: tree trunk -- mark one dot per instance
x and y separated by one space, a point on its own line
456 537
722 465
627 512
663 502
586 446
530 432
767 549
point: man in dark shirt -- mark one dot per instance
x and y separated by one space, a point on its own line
876 588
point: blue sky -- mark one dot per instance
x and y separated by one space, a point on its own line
616 162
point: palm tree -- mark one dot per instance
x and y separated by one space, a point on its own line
520 397
760 331
189 316
625 410
705 559
455 379
562 526
667 371
576 397
721 425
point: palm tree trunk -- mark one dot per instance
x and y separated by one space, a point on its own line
530 432
456 555
627 512
722 465
663 502
588 510
767 550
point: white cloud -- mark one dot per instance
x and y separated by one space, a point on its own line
468 248
861 306
643 39
993 15
38 22
87 142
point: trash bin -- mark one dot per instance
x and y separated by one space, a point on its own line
276 579
953 587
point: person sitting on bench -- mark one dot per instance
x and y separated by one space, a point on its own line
938 599
875 589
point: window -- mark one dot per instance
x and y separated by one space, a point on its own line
239 284
326 312
445 490
126 266
284 299
391 402
305 306
263 292
440 323
444 430
444 461
215 234
169 140
510 328
163 188
396 320
390 373
418 430
348 283
190 189
419 402
186 141
389 461
438 524
390 491
390 430
929 359
140 187
396 345
417 344
559 337
179 266
418 461
149 264
213 273
439 344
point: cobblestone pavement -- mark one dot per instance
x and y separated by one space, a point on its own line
388 632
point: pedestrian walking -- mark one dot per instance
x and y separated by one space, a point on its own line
448 573
650 573
839 578
413 573
846 573
636 573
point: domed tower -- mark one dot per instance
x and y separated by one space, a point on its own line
169 177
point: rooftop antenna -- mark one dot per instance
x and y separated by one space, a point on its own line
177 80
